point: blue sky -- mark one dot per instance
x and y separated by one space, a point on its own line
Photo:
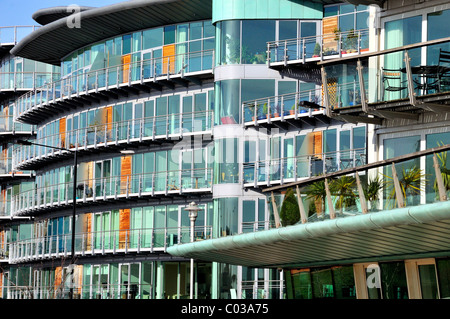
19 12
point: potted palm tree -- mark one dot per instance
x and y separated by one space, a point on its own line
372 191
343 188
411 182
445 172
316 192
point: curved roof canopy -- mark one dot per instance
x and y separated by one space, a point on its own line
48 15
53 41
387 235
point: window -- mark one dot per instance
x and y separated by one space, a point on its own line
255 35
393 280
227 210
228 101
435 31
227 160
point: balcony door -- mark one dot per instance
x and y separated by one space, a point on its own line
151 62
129 279
19 78
102 174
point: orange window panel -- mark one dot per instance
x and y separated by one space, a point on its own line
169 58
62 131
126 59
124 226
125 174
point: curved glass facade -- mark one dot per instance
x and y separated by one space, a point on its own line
207 111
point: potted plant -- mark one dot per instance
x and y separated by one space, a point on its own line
411 182
289 213
276 113
316 52
372 191
260 112
251 109
351 41
292 110
445 172
316 192
266 110
343 188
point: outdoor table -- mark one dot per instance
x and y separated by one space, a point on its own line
428 72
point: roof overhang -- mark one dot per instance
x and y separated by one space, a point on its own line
53 41
412 232
48 15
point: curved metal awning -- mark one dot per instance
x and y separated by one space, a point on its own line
411 232
48 15
53 41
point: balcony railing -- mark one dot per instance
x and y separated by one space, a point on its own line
288 169
12 35
103 242
317 48
7 170
7 125
90 291
127 74
115 133
393 83
112 188
286 106
409 180
26 80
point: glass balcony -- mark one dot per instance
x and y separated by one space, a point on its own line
12 35
128 74
161 127
5 208
281 107
409 180
101 242
6 170
7 125
288 169
387 82
317 48
25 80
112 188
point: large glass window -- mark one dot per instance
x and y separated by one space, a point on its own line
405 170
227 166
393 280
436 140
255 35
227 98
227 212
398 33
112 51
230 42
443 270
435 30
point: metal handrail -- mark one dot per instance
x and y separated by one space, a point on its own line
100 242
111 132
298 46
15 36
84 83
130 185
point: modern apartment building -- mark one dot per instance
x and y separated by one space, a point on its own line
240 107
